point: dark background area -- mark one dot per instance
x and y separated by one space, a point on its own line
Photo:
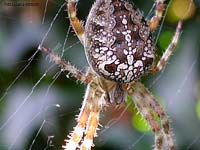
38 104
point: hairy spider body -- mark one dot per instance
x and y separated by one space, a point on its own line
118 41
119 47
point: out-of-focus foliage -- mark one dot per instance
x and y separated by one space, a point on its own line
181 9
198 108
140 123
165 39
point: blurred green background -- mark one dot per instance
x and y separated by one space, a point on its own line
38 104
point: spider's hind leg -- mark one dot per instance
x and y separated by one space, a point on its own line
159 9
75 22
168 52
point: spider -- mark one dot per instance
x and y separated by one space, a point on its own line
120 48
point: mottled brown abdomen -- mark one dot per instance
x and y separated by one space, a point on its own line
118 41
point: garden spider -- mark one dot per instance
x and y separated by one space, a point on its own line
120 48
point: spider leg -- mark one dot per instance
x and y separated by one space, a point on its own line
92 125
88 119
156 107
168 52
66 66
147 114
146 102
75 22
98 101
79 130
159 8
77 134
155 126
91 129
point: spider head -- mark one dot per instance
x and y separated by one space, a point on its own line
118 41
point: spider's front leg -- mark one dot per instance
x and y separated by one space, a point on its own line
148 106
88 119
145 111
168 52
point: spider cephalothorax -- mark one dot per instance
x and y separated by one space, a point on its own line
118 40
119 48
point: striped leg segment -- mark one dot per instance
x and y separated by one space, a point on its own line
78 132
147 100
164 119
145 111
159 8
74 21
97 103
66 66
155 126
77 135
88 120
168 52
92 125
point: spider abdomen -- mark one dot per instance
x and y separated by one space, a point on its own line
118 41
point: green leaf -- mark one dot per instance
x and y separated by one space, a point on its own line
165 39
198 109
140 123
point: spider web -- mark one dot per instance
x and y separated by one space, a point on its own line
42 111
